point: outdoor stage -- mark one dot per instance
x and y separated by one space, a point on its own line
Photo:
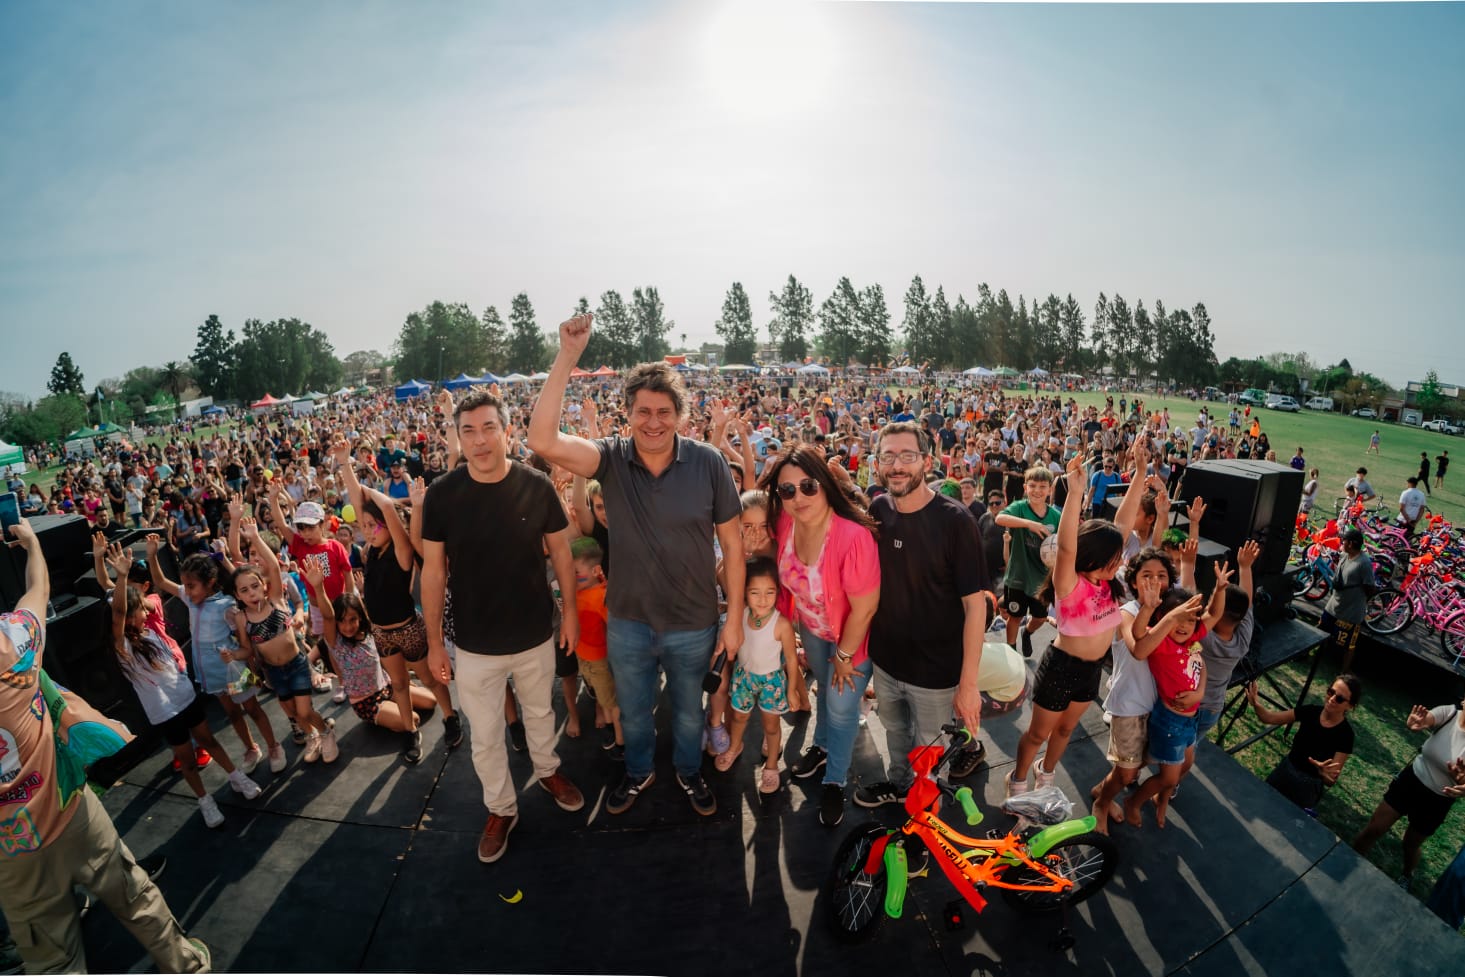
370 865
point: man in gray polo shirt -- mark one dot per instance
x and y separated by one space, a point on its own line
664 497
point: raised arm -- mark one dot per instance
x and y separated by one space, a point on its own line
1218 595
346 468
1272 717
315 581
265 557
1147 639
236 513
1245 557
277 516
1065 578
580 505
546 439
1129 504
161 583
119 560
417 495
401 541
99 558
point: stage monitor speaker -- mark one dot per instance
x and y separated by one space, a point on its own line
1247 500
66 542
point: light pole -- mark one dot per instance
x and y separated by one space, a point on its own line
440 362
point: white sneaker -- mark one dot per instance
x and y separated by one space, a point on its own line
212 816
250 760
243 785
312 747
277 758
328 749
1015 787
1043 778
340 694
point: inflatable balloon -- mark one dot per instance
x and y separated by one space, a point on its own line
348 512
269 474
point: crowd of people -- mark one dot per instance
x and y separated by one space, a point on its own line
773 542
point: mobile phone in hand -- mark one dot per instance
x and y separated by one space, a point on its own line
9 513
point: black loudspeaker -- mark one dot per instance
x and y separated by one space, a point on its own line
66 542
1247 500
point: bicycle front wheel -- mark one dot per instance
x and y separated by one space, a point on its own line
1086 860
1452 637
1388 612
856 899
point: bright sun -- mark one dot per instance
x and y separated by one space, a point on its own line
770 59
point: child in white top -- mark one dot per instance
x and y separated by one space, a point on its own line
760 675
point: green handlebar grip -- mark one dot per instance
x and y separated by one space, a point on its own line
968 806
896 875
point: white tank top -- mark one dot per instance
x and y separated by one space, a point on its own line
762 652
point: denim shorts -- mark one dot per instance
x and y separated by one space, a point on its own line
292 678
1171 734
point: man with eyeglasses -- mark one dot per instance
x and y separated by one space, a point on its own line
1100 482
926 638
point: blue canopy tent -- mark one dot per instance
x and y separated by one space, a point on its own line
489 378
213 409
460 382
412 388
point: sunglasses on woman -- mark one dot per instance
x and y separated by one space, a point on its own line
805 485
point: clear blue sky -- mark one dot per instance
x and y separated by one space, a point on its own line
1296 168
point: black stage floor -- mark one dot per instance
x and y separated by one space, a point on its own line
370 865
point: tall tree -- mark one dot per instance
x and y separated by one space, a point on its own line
739 339
920 338
651 324
1099 337
876 338
614 322
494 340
66 378
1142 340
1074 354
176 379
1121 335
839 324
527 352
793 319
213 358
943 343
284 356
1048 344
441 341
356 366
966 345
1002 316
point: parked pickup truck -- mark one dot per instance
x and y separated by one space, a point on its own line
1441 425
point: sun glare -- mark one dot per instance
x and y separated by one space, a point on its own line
770 59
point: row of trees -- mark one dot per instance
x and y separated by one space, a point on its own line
853 324
279 356
445 339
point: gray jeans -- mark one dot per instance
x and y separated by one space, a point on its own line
912 716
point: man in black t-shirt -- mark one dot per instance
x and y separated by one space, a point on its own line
926 637
490 520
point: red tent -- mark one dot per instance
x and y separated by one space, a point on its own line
577 373
266 401
604 371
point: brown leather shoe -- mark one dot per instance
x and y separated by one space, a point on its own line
495 839
566 794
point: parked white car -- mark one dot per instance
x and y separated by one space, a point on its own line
1283 403
1440 424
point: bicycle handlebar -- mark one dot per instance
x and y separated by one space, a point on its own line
969 806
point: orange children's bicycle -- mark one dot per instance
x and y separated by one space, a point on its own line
1037 870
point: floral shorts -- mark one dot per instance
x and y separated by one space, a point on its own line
767 692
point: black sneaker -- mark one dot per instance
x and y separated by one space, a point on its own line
296 733
831 805
617 752
1027 643
516 736
607 737
878 794
967 759
625 794
810 763
699 793
412 751
452 731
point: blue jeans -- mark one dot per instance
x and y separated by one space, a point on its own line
838 721
912 717
1205 721
635 654
1447 901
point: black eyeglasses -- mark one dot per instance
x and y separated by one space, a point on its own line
806 485
1338 698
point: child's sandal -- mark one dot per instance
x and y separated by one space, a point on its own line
727 758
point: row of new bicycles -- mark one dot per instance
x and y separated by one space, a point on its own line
1421 577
